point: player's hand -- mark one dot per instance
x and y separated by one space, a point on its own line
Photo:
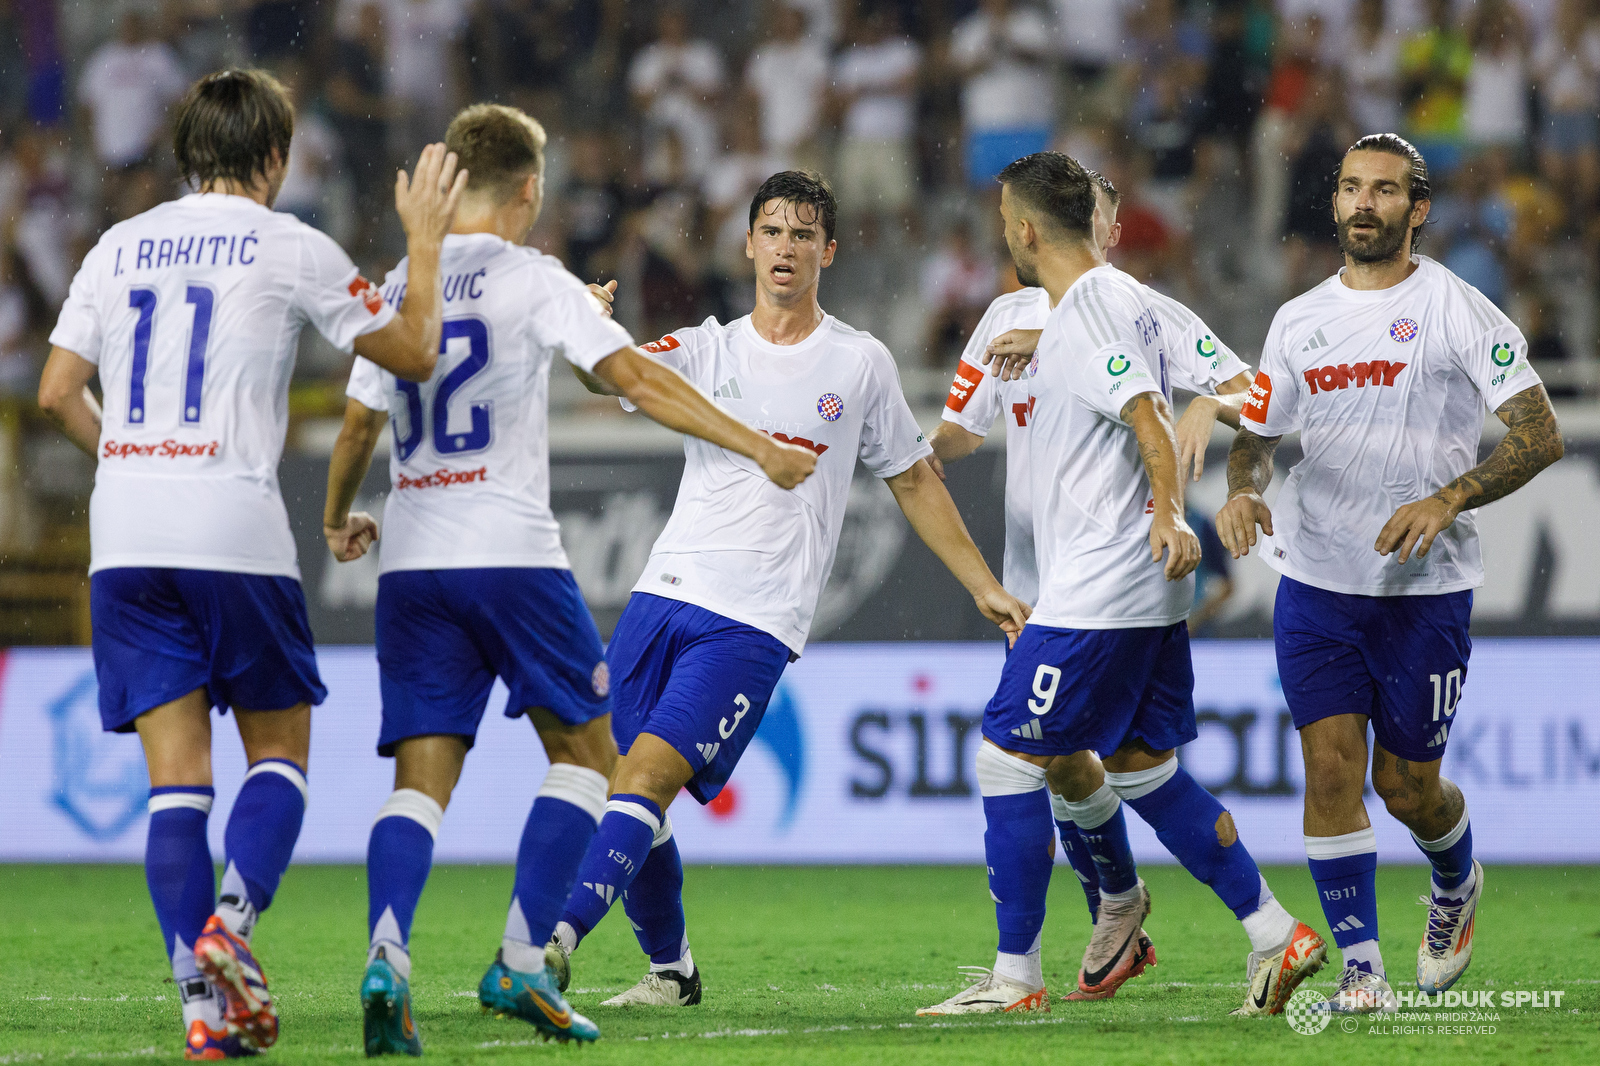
787 464
1005 611
606 294
427 201
1170 533
1238 519
1009 354
1414 526
936 466
1194 433
350 541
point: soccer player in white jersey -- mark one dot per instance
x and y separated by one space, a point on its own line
1102 668
1385 369
474 581
727 597
1010 329
191 313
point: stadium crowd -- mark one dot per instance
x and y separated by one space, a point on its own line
1222 121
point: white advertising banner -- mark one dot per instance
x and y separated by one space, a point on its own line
865 755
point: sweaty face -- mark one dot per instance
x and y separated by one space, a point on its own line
789 247
1372 208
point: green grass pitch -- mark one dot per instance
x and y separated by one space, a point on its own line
800 965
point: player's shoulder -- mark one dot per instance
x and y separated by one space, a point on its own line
1467 310
860 344
1098 300
1312 305
711 332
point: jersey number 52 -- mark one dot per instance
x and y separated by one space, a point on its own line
476 437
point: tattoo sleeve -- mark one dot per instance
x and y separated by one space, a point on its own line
1533 442
1151 420
1250 462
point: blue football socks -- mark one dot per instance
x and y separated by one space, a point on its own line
1103 828
260 839
399 856
1345 869
1451 856
1077 854
554 842
654 904
177 867
618 850
1191 824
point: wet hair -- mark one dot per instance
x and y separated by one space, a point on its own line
799 187
1106 187
1417 185
1058 186
498 147
229 125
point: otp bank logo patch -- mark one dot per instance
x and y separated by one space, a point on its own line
1502 355
1403 330
1118 365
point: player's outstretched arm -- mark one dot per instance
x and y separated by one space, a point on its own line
408 347
1249 474
1151 419
349 534
1009 354
950 442
1202 414
667 397
64 395
932 513
1532 442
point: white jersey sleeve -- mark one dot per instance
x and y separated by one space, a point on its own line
1105 381
78 327
333 296
690 351
974 401
1495 360
891 440
1271 410
367 386
569 322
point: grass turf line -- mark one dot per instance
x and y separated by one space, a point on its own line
801 965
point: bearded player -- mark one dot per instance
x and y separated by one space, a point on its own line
1385 370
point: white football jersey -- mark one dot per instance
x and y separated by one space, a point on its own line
193 312
1105 343
1388 389
977 398
469 470
737 544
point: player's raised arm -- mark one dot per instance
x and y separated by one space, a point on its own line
349 535
408 346
927 505
1151 419
667 397
64 395
1532 442
1009 354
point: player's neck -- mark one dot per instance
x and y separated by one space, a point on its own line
786 323
509 221
1058 268
260 190
1383 275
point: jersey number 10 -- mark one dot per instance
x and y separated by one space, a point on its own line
476 438
144 301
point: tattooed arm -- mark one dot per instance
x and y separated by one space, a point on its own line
1533 442
1151 419
1249 474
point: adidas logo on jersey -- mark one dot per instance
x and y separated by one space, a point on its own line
709 751
1350 923
1317 341
604 891
1440 737
730 390
1030 730
1328 378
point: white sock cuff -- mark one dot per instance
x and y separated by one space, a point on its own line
580 786
1141 783
1096 810
1058 808
280 766
663 834
171 801
1000 774
1449 840
1358 843
415 805
634 810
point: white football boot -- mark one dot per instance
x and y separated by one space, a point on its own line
1360 992
992 994
1446 948
1274 975
660 988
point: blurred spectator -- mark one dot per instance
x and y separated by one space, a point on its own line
1496 107
531 46
1163 127
1434 63
674 81
958 282
1090 36
788 73
1471 223
1568 65
666 238
13 67
198 32
423 78
275 28
1231 78
313 157
729 185
125 91
1294 81
1008 100
1148 245
1545 341
875 81
1371 59
38 218
592 203
18 374
1315 149
822 19
360 111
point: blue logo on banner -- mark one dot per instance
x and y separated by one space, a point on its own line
100 780
780 732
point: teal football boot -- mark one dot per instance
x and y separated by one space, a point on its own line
386 1021
534 998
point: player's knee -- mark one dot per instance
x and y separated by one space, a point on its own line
589 744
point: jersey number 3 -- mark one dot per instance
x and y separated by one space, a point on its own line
476 437
203 299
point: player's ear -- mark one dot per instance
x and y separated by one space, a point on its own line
1419 212
827 253
749 245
